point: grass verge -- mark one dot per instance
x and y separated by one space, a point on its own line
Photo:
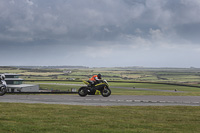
181 90
43 118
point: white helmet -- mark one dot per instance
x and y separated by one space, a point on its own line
2 77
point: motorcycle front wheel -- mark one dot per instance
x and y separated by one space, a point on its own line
106 92
83 91
2 91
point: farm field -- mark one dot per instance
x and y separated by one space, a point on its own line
183 80
178 75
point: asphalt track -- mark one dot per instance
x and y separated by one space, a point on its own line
98 100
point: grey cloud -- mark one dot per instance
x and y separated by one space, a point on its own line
56 26
189 32
28 21
65 19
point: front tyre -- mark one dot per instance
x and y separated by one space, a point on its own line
106 92
83 91
2 91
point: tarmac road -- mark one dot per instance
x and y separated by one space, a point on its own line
98 100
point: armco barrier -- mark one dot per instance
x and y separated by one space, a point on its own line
178 84
41 92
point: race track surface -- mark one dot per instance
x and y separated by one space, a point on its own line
98 100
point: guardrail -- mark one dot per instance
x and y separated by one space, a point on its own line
41 92
178 84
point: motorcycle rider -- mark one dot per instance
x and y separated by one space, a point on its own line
2 80
94 80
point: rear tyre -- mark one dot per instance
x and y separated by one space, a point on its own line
2 91
83 91
106 92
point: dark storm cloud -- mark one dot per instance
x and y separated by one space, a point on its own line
27 21
69 20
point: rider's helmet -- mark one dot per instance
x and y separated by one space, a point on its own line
2 77
99 76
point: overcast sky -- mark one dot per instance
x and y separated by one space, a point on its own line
100 33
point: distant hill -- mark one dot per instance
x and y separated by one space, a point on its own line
52 67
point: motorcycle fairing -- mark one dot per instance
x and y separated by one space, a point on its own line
85 82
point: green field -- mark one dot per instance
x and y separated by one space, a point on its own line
181 90
178 75
42 118
147 78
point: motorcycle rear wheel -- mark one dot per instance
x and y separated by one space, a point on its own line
106 92
83 91
2 91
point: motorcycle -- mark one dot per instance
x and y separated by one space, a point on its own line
91 89
3 87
